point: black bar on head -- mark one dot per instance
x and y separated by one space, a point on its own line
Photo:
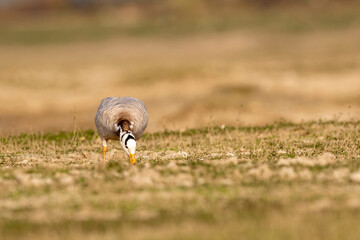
127 139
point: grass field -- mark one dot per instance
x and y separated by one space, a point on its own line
253 121
279 181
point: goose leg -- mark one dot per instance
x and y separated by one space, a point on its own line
104 148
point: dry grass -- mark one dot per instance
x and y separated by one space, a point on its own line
250 74
295 179
276 182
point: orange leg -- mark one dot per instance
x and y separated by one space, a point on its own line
104 153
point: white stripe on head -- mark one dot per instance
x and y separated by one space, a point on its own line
131 144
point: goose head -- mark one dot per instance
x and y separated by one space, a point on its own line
128 142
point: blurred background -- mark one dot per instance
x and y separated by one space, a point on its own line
192 62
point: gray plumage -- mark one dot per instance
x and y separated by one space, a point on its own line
113 110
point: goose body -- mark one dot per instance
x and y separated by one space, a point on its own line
121 116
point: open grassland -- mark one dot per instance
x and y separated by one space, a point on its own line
280 181
245 67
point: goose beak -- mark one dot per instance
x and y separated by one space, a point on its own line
132 158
